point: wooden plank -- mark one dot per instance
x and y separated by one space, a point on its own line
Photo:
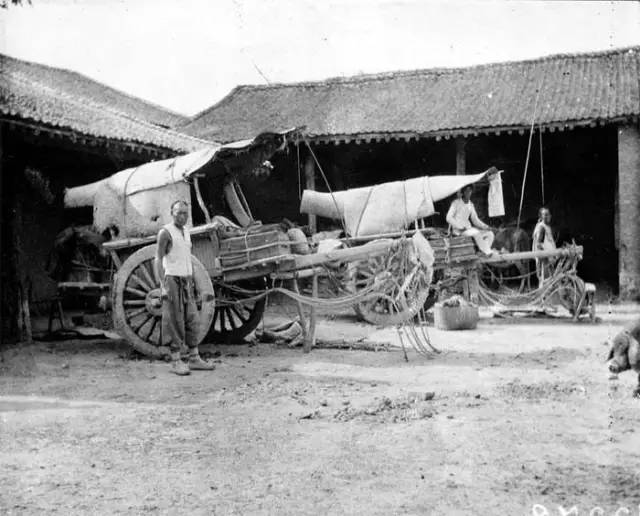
532 255
396 234
138 241
83 285
300 274
362 252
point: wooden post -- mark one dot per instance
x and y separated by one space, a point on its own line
473 282
303 319
461 158
310 181
629 211
22 284
310 337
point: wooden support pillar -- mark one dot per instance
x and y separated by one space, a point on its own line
22 283
461 157
310 337
310 184
629 211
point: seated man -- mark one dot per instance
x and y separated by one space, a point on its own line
463 219
543 241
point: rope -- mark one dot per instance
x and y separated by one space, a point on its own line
564 281
541 167
299 168
366 205
394 285
526 164
326 182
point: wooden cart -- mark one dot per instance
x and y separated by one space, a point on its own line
237 266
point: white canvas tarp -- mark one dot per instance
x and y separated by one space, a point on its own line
137 200
386 207
145 177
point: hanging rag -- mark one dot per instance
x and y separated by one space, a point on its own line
495 199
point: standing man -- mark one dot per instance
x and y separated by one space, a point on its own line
543 241
179 311
463 219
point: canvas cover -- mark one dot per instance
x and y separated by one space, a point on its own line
137 200
386 207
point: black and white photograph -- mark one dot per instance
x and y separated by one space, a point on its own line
306 257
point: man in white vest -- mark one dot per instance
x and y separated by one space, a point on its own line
179 310
543 241
464 220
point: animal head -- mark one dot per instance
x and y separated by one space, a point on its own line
624 353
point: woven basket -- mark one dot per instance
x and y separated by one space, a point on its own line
455 317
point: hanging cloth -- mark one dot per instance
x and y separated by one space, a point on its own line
495 200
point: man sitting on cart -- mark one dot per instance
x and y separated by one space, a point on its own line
179 311
464 220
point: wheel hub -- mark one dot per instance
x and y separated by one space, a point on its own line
153 302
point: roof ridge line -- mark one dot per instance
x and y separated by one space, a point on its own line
99 83
359 78
206 111
92 103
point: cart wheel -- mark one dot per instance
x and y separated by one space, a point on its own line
570 292
410 291
137 308
233 322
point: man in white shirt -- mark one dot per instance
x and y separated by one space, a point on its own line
179 310
464 220
543 241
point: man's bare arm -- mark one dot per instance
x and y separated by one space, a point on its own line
475 220
164 245
538 237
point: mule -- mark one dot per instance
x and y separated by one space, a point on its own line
511 239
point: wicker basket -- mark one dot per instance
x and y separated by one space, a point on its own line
455 317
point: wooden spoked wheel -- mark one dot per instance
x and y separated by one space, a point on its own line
405 292
234 318
137 303
571 292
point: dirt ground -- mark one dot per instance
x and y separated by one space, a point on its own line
516 417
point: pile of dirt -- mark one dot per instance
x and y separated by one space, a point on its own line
407 408
542 390
18 362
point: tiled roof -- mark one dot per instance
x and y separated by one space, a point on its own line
47 100
574 88
79 86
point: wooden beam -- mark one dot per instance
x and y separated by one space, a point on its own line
461 156
310 184
532 255
309 261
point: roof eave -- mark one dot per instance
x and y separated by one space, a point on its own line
445 134
56 132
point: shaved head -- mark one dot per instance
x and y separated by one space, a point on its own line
177 204
180 212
